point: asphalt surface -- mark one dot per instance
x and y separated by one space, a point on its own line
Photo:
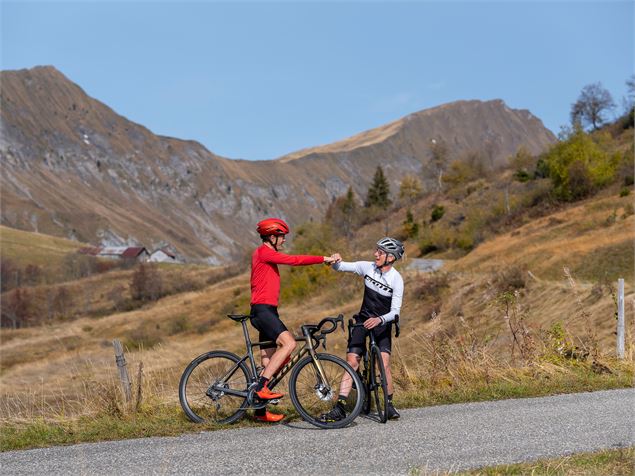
449 437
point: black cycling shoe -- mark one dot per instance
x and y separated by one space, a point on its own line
336 414
391 412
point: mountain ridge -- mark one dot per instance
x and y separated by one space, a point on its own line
73 167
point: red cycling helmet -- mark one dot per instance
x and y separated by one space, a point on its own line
272 226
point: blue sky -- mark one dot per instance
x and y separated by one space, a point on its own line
257 80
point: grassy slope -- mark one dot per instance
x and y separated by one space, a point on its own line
24 247
57 370
194 321
593 238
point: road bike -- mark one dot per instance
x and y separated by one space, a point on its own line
373 375
219 386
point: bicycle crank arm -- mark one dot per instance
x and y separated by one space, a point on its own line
230 391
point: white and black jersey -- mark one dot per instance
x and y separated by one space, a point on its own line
383 292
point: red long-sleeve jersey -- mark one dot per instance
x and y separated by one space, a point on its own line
265 277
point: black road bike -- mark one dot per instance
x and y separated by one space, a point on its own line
219 386
373 375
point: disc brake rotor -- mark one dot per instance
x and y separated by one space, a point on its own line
323 392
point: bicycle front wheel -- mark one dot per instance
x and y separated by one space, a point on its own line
313 396
378 390
204 384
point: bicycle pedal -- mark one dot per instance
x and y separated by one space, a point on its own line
275 401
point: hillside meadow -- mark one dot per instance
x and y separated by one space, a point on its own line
524 305
505 320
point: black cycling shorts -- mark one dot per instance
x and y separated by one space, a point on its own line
383 335
265 318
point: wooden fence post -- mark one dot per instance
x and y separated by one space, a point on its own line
139 383
123 369
620 318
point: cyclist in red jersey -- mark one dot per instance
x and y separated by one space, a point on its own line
265 291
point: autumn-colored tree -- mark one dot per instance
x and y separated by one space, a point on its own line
146 284
439 156
409 189
10 275
410 226
16 308
32 275
62 302
342 213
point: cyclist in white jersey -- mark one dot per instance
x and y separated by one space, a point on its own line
383 294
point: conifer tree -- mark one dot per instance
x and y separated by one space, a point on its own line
342 213
379 191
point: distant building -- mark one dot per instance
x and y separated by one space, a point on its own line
90 250
137 253
163 255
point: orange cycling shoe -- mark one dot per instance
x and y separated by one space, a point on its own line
266 394
269 417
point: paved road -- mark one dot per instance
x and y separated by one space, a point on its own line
425 265
449 437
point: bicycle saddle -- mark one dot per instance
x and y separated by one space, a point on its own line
238 317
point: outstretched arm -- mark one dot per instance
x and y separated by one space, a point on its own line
357 267
275 257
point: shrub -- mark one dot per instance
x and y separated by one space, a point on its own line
437 213
434 239
410 226
578 165
625 191
410 189
461 172
10 275
302 281
522 176
179 324
510 279
146 284
142 339
432 286
426 245
16 308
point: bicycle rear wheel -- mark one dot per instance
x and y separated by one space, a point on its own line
312 397
202 384
379 392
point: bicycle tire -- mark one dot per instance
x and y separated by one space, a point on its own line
202 404
379 389
311 401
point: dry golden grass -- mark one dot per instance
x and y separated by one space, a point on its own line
26 247
565 238
455 341
55 369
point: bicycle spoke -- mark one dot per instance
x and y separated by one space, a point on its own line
315 393
201 388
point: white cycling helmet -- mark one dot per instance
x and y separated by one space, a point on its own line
391 246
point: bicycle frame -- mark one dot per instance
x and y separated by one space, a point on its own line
368 377
308 348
